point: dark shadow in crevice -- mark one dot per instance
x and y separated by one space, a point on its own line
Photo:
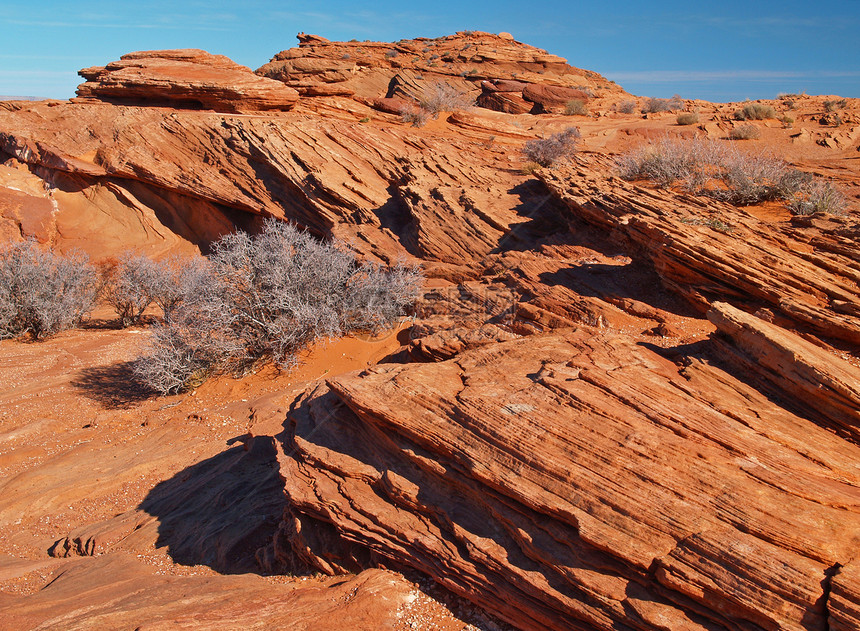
634 280
220 511
547 219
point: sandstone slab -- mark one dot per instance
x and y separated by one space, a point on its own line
185 78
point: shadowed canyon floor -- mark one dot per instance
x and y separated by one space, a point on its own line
616 406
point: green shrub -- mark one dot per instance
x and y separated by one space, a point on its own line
687 118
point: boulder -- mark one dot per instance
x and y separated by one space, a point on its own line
509 102
187 78
551 98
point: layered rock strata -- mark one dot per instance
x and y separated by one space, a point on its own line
467 61
800 273
579 480
186 78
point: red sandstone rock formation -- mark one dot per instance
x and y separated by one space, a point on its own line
184 78
571 449
408 67
579 481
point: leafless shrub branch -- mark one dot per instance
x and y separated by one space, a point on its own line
721 171
264 298
548 151
42 293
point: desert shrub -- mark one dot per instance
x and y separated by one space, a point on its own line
687 118
178 279
669 161
715 170
127 285
412 113
443 97
747 131
529 168
391 54
750 178
817 196
627 107
576 107
787 121
548 151
42 293
264 297
755 111
663 105
832 106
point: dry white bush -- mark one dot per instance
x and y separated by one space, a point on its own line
444 97
818 196
42 293
265 297
127 285
717 170
548 151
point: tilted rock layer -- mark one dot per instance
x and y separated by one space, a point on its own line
579 480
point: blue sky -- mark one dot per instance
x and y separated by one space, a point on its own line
721 51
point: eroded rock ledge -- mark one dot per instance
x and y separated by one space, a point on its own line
579 480
185 78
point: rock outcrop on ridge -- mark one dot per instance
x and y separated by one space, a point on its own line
186 78
502 73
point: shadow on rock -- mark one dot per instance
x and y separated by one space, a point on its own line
220 511
620 283
114 386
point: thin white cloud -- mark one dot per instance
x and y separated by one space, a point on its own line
692 76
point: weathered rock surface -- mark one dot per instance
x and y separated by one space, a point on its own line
578 481
804 274
824 385
125 593
387 189
186 78
844 603
406 68
552 98
630 473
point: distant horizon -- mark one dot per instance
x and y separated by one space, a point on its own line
730 52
